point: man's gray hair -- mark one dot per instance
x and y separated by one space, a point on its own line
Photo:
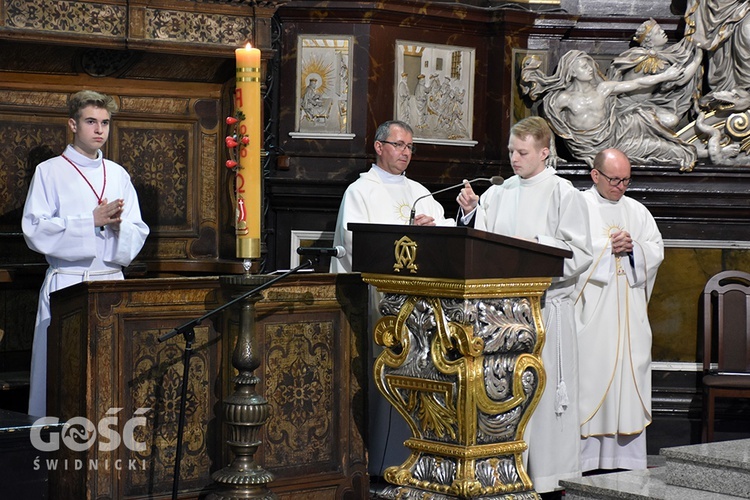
384 130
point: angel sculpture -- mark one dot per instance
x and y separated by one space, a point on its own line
584 108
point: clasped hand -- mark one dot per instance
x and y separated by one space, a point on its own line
109 213
621 242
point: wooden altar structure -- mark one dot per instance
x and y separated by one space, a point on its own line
105 362
462 331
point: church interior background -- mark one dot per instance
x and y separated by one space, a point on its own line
332 71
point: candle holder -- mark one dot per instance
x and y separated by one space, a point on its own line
245 411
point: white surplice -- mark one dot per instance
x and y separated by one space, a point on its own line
614 335
58 222
548 209
380 197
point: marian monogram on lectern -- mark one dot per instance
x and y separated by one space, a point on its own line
405 253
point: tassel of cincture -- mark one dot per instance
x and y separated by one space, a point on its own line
561 398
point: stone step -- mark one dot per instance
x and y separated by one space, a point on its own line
711 471
634 485
720 467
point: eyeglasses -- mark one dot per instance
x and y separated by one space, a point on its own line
401 145
614 181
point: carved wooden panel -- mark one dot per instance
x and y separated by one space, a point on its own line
154 380
313 345
169 145
102 19
174 166
25 141
109 358
104 355
162 154
135 23
301 366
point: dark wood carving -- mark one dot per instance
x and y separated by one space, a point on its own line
451 253
24 142
311 330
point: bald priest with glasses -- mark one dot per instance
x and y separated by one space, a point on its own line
614 335
383 194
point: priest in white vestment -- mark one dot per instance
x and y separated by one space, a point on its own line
384 195
82 213
614 336
538 205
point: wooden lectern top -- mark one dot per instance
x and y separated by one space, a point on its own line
450 253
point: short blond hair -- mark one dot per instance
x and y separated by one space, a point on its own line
534 126
85 98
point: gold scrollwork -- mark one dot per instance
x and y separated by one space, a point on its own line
738 127
443 412
462 336
405 253
466 488
737 124
457 288
385 332
523 362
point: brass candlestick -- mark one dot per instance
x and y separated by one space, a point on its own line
245 411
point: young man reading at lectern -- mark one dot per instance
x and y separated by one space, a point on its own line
538 205
384 195
82 213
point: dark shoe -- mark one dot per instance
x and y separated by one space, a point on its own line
552 495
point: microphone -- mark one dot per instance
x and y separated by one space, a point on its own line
496 180
337 251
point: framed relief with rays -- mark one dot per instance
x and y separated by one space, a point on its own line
323 103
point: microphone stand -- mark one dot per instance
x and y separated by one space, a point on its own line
413 213
188 332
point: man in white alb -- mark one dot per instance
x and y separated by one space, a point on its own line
614 336
538 205
82 213
384 195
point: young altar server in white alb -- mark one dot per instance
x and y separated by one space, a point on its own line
614 335
538 205
82 213
384 195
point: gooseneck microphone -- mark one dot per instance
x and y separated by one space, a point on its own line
496 180
337 251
